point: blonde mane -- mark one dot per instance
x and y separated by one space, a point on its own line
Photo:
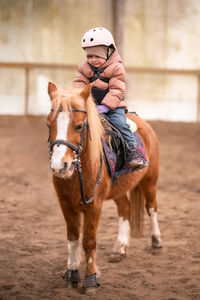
96 131
68 99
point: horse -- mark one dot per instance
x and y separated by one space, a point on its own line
82 182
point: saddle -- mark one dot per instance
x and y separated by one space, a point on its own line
114 147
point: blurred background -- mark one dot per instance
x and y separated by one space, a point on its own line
158 41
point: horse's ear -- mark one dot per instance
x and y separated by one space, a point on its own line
51 89
86 92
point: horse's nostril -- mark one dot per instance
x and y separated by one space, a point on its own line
64 166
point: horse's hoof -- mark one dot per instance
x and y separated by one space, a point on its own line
72 277
156 242
90 291
116 257
74 284
90 285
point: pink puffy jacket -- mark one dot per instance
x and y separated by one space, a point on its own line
117 80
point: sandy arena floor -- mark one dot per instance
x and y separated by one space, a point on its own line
33 248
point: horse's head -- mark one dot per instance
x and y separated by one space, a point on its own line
68 127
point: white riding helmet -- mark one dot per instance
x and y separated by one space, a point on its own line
97 36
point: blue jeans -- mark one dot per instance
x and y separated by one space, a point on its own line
118 119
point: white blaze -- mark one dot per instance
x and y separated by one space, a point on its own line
59 151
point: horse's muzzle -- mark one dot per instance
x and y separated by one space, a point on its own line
64 172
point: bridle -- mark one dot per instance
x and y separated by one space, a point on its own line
76 149
78 152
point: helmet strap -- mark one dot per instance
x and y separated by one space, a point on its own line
108 50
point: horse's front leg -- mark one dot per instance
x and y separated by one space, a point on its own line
72 218
91 220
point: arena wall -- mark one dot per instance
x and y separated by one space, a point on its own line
156 34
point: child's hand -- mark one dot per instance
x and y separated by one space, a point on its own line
102 109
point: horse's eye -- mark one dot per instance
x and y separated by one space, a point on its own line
79 127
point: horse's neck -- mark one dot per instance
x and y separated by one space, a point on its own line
92 156
91 159
89 164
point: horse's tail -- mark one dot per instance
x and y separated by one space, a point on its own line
137 202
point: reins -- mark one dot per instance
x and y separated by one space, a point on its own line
78 152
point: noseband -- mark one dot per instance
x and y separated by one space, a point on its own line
78 152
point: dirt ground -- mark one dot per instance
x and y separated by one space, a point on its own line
33 244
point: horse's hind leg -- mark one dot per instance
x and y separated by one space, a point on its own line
150 190
119 250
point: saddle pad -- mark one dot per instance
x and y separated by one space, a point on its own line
111 158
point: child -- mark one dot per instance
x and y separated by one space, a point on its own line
105 72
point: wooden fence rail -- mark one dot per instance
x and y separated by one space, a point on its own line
29 66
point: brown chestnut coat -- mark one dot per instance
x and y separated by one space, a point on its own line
117 80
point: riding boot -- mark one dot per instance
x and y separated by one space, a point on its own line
135 160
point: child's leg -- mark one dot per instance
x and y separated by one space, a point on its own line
134 159
118 119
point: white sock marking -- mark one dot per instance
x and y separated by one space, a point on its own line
124 229
154 222
74 255
90 260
